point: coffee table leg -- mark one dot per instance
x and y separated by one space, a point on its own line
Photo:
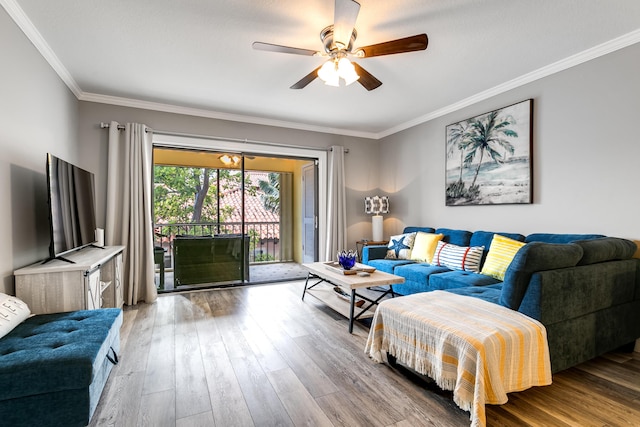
305 285
351 309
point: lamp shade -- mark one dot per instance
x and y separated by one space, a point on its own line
376 205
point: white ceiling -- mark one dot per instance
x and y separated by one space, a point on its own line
195 56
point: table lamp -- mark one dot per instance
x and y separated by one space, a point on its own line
376 205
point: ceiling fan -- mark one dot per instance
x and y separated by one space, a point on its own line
338 42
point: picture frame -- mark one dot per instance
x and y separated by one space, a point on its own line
489 158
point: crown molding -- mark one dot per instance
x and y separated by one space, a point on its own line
556 67
24 23
197 112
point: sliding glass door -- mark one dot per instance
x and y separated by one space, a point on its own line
198 205
218 216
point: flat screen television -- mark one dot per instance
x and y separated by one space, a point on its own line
72 214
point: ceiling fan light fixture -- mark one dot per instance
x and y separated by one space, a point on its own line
333 80
327 71
347 71
335 69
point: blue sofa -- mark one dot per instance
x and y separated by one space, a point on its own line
585 288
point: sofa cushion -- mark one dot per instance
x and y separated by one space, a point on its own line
420 273
424 246
559 238
605 249
460 279
457 237
400 246
502 251
489 293
456 257
533 257
53 352
388 265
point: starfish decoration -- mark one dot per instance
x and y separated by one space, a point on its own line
398 245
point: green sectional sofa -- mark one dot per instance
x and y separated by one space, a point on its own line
584 288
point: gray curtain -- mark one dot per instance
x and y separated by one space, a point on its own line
129 219
336 204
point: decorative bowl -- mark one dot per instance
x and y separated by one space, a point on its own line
347 259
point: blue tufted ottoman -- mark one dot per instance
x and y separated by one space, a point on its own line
53 367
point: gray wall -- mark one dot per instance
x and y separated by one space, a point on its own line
38 114
586 153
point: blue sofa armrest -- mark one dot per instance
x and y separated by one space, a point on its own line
531 258
373 252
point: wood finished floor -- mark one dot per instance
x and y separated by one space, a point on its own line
260 356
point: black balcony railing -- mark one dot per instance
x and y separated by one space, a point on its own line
264 237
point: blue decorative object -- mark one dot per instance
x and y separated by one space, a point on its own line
347 259
398 245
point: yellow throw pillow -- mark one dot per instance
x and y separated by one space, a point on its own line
424 246
500 255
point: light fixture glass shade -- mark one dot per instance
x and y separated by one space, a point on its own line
333 80
230 160
347 71
333 70
326 71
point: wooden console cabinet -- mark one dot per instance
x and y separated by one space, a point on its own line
93 280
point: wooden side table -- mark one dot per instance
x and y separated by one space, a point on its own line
362 243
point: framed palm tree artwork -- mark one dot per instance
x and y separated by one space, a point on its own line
489 158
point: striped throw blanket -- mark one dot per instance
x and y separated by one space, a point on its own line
479 350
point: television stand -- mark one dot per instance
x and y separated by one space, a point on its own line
89 278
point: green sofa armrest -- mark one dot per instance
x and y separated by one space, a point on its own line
531 258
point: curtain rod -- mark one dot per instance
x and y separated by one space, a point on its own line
104 125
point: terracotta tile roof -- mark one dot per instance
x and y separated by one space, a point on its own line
254 210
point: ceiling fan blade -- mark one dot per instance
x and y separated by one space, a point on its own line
344 19
303 82
407 44
283 49
366 78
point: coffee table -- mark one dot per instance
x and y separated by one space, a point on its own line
329 274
